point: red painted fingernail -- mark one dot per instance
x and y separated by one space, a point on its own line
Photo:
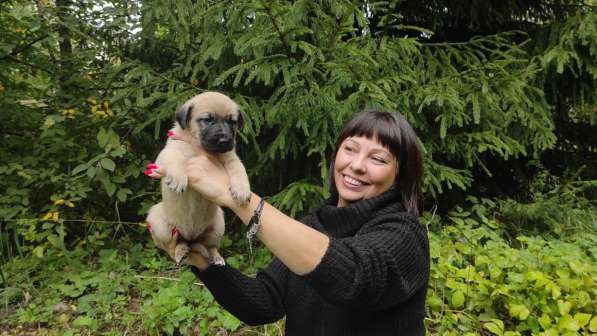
171 133
148 172
149 226
152 165
174 232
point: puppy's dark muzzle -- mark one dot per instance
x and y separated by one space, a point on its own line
219 145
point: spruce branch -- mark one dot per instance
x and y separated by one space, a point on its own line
278 30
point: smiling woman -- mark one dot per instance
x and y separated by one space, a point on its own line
361 257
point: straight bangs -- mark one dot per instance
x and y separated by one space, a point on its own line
379 126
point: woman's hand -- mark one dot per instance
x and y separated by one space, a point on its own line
208 176
193 258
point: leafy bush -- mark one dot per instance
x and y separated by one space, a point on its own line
102 289
557 205
182 306
482 283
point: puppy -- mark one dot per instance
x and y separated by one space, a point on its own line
183 216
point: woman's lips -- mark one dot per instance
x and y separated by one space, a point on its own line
351 182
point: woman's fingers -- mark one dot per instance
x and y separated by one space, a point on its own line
154 171
184 136
195 258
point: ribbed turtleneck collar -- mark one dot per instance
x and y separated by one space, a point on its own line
346 221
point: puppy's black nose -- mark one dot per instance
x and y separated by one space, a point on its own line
219 145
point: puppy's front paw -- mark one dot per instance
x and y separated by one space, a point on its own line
177 181
240 195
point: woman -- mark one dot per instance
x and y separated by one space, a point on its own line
358 265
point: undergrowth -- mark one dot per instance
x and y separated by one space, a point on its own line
485 280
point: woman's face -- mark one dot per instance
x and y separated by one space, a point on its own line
363 169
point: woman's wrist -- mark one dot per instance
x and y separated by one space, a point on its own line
245 212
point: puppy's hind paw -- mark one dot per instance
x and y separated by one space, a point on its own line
180 252
240 196
217 260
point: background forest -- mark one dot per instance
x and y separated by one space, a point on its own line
502 94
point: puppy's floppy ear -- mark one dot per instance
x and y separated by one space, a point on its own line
183 115
240 120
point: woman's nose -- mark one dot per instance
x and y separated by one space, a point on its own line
358 164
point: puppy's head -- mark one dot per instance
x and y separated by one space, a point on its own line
213 119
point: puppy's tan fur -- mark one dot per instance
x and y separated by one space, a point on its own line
200 223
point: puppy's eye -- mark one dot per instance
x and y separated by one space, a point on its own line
232 122
206 120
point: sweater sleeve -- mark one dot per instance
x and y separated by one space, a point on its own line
255 301
375 269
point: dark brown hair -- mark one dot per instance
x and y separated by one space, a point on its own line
392 131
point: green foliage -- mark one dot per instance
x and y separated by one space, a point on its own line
114 289
557 205
88 89
181 306
92 101
482 283
571 52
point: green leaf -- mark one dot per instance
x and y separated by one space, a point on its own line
122 194
564 307
551 332
496 327
519 311
108 185
457 299
102 137
108 164
593 324
229 322
91 172
568 323
582 319
545 321
80 168
118 152
577 267
84 321
54 240
38 252
511 333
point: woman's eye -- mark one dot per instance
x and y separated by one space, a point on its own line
379 159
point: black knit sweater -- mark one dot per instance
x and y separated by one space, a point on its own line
372 279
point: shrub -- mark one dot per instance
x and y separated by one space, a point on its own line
482 283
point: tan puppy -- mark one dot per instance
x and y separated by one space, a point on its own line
184 217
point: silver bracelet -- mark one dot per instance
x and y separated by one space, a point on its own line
255 223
